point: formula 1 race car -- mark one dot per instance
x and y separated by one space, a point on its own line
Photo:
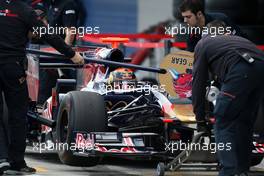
106 111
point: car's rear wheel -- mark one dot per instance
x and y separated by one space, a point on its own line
82 112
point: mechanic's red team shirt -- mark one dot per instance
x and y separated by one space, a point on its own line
17 19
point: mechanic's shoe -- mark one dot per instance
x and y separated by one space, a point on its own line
25 170
4 165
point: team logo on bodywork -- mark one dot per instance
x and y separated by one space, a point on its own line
7 13
84 141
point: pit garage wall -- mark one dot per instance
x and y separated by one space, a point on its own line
112 16
152 12
125 16
128 16
132 16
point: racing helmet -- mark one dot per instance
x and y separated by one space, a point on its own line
122 74
115 54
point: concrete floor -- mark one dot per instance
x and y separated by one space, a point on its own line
49 164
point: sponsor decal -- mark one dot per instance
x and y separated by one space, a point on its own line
178 79
182 83
7 13
259 148
84 142
69 12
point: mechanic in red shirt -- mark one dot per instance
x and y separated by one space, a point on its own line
16 20
238 66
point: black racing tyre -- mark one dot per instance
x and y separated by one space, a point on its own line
160 171
256 160
259 127
79 112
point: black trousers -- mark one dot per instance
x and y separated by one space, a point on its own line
13 134
235 111
47 80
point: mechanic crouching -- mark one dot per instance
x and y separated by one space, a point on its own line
238 66
16 20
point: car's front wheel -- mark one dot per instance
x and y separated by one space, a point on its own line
82 112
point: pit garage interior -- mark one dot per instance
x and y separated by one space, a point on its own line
141 19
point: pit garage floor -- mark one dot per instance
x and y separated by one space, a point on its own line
47 163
